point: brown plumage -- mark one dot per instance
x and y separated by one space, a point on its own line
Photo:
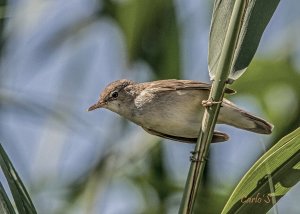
173 108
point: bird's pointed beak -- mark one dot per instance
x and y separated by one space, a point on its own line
95 106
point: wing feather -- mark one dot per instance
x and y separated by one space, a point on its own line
217 136
173 84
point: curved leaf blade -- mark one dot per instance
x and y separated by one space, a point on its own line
18 190
256 16
5 204
269 179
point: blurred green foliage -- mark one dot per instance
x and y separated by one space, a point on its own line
275 86
2 19
151 33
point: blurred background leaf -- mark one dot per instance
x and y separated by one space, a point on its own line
275 85
151 33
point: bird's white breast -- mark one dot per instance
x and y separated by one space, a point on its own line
177 113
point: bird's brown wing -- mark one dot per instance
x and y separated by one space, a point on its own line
173 84
217 136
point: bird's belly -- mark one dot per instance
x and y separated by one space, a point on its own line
181 126
176 118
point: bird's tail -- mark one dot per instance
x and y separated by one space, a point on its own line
232 115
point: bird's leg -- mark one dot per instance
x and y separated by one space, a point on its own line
210 102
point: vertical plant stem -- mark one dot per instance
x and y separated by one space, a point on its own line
211 114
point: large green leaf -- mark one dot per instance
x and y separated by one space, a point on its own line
256 16
19 193
269 179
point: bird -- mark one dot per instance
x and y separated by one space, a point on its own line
173 109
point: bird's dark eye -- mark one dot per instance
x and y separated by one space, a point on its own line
114 94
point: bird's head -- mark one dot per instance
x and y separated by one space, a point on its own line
114 96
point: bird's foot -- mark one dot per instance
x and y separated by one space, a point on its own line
196 159
210 102
193 159
194 152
